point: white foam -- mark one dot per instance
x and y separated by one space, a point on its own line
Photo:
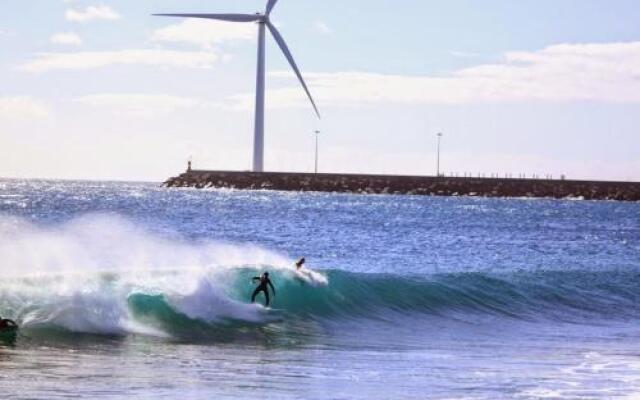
311 277
208 303
79 275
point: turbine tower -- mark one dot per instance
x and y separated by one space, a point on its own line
263 23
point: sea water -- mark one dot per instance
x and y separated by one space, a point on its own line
130 290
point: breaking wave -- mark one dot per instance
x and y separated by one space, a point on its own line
103 275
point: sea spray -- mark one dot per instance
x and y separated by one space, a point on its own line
80 275
109 243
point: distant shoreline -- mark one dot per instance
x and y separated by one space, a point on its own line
409 185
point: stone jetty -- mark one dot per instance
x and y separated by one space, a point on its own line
410 185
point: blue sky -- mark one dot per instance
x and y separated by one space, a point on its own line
100 89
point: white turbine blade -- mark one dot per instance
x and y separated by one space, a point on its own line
270 5
287 54
220 17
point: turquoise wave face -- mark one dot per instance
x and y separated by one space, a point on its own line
563 295
552 296
217 305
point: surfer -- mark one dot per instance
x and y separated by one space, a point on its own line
262 287
7 324
300 263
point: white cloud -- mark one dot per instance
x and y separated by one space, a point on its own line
566 72
322 28
142 105
205 33
463 54
88 60
22 107
66 38
91 13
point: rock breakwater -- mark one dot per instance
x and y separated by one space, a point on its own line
410 185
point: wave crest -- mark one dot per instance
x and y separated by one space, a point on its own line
100 274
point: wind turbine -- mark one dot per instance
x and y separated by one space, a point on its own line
263 22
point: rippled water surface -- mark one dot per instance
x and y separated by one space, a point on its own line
134 291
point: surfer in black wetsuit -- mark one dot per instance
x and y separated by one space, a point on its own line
7 323
262 287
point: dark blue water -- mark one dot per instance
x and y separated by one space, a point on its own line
131 290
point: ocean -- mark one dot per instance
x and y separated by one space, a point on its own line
130 290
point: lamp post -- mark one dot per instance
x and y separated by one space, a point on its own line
438 159
317 132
